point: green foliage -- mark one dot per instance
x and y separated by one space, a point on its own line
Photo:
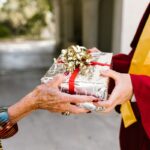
4 31
23 17
34 24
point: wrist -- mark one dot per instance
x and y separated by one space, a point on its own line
129 76
130 87
35 99
22 108
32 100
4 117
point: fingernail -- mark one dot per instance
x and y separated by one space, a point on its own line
66 73
72 103
89 112
95 101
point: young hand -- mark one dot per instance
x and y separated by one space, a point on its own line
122 92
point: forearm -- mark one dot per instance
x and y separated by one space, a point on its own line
9 117
22 108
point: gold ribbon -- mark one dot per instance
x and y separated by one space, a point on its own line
140 65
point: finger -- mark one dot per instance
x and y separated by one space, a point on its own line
110 73
106 107
69 108
57 80
108 110
105 104
108 104
77 98
112 100
76 110
115 96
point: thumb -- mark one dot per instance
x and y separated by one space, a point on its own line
57 80
110 73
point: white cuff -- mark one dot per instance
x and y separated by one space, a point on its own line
133 99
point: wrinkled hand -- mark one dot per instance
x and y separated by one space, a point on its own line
122 92
50 98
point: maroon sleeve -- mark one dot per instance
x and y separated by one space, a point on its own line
141 89
120 63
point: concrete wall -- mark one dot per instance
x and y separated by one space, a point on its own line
127 15
84 22
117 26
107 24
105 27
90 22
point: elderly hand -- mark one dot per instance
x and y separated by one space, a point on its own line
122 92
50 98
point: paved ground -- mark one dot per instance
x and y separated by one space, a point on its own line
46 131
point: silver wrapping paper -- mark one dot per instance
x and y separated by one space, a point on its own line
92 84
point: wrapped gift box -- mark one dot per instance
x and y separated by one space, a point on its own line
88 83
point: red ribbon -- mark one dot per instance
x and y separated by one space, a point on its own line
75 73
94 63
72 80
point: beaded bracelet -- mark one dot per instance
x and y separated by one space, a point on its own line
3 109
7 128
4 117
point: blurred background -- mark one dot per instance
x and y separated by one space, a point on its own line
32 33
